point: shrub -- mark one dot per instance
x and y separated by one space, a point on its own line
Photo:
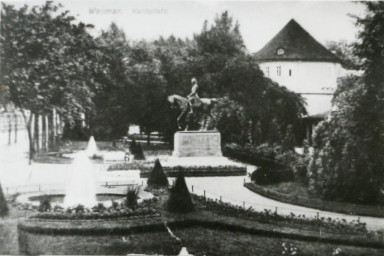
139 155
79 208
136 150
265 176
180 200
131 197
3 203
157 178
99 208
45 205
347 163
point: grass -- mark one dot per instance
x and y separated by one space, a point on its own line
291 188
198 240
297 193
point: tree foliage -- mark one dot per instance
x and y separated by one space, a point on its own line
50 61
348 162
225 69
115 95
344 51
46 60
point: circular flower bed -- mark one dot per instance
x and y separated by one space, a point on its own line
116 210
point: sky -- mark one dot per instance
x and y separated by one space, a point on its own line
259 20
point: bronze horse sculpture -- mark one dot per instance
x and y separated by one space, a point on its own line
204 106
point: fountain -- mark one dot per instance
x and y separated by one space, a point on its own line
91 147
81 188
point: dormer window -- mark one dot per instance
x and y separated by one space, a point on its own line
280 51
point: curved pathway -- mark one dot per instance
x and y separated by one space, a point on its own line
15 171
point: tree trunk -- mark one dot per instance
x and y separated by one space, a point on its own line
36 132
15 118
28 124
46 133
43 132
54 131
148 138
9 128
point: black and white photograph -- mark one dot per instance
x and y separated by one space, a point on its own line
192 128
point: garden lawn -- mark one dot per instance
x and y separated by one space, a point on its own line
297 193
198 240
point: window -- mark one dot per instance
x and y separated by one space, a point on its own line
278 70
280 51
290 72
267 71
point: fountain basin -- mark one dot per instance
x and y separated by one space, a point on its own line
57 198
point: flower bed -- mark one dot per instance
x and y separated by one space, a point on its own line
117 210
267 216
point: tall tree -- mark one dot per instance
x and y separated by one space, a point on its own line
370 45
225 69
47 62
145 72
116 93
348 160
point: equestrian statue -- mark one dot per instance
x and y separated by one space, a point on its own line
191 105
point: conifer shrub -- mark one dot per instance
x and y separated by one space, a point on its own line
3 204
157 178
136 150
180 200
139 153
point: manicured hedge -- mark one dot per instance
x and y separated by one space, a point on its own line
189 171
251 155
155 225
265 176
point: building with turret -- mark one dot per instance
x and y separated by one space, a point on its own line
293 58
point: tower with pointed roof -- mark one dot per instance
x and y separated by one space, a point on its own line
295 59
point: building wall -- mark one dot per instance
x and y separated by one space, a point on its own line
304 77
315 81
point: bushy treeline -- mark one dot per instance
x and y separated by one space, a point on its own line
348 162
112 82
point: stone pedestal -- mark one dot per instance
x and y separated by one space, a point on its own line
197 143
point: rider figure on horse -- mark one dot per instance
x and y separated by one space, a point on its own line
193 98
